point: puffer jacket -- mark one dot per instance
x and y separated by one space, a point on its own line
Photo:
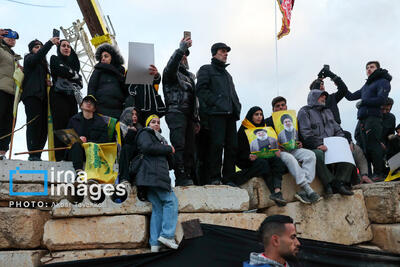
373 94
216 91
95 129
36 70
316 122
7 68
154 168
106 84
179 86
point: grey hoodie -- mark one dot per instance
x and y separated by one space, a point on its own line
258 258
316 122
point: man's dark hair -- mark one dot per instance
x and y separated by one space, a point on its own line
273 225
389 101
376 63
278 99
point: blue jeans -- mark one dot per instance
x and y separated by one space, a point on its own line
164 216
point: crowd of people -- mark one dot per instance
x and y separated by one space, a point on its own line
201 112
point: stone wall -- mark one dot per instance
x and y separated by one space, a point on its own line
85 231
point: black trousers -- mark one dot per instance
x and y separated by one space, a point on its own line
181 135
271 170
63 107
6 118
223 138
36 131
128 152
77 155
370 130
202 140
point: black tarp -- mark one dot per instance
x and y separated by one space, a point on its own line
225 246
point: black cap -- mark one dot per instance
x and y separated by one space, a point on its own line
90 98
216 46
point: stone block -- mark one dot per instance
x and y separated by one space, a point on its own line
259 192
340 219
387 237
249 221
21 258
127 231
382 201
191 199
51 167
5 193
21 228
75 255
212 198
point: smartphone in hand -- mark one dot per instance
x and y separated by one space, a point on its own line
187 34
56 33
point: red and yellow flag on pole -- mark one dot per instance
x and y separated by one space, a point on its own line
286 7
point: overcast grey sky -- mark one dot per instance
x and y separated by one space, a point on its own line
343 34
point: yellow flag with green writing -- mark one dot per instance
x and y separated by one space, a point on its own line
100 160
50 133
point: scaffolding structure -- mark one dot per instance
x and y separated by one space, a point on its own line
79 41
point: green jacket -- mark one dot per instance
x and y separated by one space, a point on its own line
7 68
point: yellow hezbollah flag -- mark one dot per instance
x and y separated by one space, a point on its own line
393 175
100 159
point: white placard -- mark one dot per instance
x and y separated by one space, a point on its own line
338 150
141 56
394 162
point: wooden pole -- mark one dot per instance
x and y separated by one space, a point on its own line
12 136
42 150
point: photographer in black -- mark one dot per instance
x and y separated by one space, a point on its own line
334 98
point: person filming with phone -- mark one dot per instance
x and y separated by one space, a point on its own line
8 64
34 95
333 99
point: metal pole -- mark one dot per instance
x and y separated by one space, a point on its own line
276 53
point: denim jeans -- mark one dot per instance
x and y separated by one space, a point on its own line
164 216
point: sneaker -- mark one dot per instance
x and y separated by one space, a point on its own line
2 156
278 198
302 197
34 158
344 191
154 249
328 191
378 178
216 182
314 197
168 242
185 182
232 184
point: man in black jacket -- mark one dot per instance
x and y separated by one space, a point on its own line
220 103
181 117
90 127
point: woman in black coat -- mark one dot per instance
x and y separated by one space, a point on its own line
271 169
153 174
107 83
63 104
34 94
130 126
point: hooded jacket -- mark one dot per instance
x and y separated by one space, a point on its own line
7 68
66 67
125 121
316 122
258 259
36 70
107 83
154 168
179 86
373 94
242 158
216 91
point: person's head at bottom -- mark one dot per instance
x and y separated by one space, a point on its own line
278 234
153 122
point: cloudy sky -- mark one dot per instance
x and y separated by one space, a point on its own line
343 34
